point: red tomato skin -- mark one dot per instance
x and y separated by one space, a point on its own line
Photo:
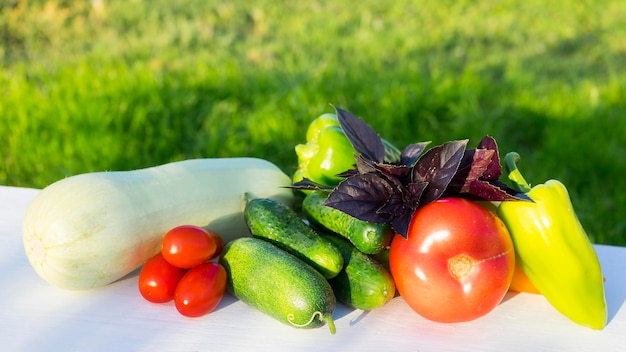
219 244
187 246
158 279
201 290
445 229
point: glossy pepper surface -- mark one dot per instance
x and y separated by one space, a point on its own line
553 249
328 152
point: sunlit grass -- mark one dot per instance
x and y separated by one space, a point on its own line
103 85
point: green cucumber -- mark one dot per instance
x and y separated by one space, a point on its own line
364 283
276 222
278 284
368 237
383 258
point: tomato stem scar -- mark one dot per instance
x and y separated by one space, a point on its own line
460 266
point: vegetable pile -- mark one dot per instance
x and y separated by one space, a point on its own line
446 228
462 236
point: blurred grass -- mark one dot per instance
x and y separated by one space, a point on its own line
118 85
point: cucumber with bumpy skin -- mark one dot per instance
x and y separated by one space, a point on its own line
368 237
276 222
278 284
383 258
364 283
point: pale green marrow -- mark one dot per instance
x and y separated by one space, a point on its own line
89 230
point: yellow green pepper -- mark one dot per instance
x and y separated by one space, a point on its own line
553 249
328 152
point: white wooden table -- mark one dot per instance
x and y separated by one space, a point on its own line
35 316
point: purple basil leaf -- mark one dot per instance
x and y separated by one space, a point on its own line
362 137
437 167
481 163
409 204
395 203
475 162
462 173
306 184
489 191
412 152
402 219
398 173
347 173
494 169
415 190
488 142
517 195
401 224
364 166
361 196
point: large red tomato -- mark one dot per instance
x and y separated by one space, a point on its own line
457 261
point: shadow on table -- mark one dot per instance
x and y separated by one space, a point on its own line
614 286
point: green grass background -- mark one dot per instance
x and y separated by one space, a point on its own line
119 85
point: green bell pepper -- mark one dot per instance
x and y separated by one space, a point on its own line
553 249
328 152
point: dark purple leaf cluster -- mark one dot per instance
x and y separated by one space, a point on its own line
381 192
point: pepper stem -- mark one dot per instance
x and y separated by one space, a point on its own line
510 165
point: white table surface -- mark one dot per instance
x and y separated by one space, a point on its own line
35 316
